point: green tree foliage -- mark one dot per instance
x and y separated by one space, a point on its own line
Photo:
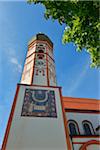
82 23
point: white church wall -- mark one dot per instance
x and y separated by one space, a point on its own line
80 117
93 147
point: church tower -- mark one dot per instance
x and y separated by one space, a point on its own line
37 120
39 68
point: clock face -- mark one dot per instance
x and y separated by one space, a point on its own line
39 103
40 63
40 96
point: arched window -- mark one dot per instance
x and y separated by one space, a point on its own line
41 51
88 129
73 127
40 56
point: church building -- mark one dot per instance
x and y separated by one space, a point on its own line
41 118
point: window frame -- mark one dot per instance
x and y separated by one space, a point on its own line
76 127
90 127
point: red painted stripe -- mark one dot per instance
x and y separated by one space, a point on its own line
10 120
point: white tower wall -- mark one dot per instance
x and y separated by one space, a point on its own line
37 133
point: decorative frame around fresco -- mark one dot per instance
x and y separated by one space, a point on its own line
45 100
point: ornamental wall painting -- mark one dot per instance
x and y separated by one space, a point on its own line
39 103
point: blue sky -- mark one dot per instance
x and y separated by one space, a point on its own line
20 21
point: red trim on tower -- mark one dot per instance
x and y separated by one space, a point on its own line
38 41
48 83
10 120
40 53
30 47
40 85
33 68
65 122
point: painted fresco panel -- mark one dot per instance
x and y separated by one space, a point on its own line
39 103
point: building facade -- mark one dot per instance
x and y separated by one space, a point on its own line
41 118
